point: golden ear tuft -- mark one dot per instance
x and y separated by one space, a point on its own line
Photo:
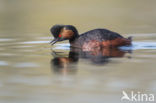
67 33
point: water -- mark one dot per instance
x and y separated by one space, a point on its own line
33 71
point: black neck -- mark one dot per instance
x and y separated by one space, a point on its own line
74 38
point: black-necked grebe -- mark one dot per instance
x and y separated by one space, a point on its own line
93 39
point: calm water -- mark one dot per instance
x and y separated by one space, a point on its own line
32 71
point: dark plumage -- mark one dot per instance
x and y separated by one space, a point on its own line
92 39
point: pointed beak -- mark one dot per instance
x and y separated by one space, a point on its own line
54 41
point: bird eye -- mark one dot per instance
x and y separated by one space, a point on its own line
60 36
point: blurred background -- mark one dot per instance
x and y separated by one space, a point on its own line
26 71
36 16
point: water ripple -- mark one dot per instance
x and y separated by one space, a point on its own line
26 64
3 63
140 45
63 46
35 42
5 39
135 46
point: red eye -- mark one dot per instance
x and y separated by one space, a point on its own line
60 35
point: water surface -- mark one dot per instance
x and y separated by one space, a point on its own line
33 71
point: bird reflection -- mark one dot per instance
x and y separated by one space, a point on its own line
64 65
